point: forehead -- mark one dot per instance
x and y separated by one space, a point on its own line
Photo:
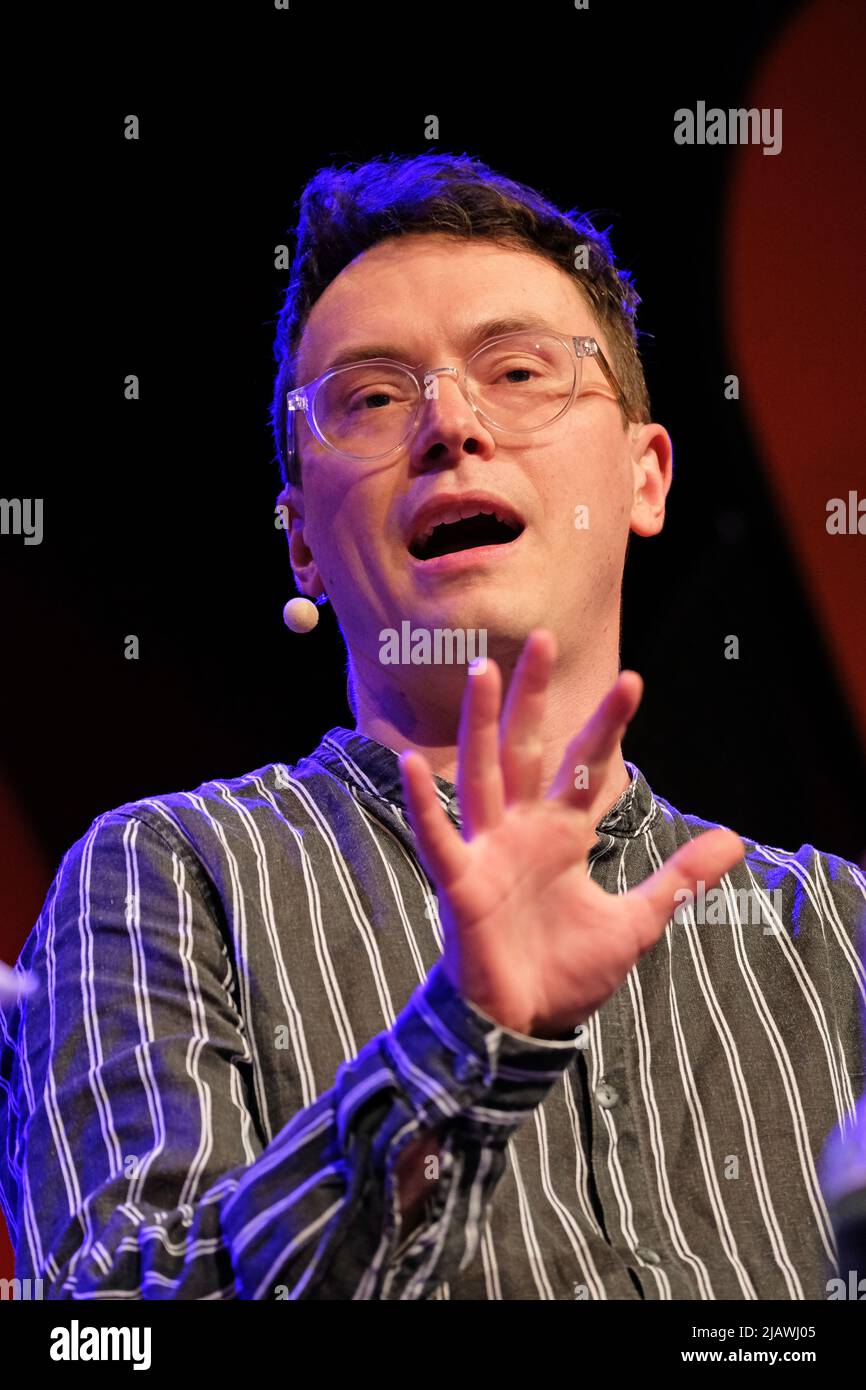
415 291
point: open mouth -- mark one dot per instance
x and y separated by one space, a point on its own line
466 534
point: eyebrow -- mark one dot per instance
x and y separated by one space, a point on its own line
472 337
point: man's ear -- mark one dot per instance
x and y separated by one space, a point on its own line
291 517
284 497
653 471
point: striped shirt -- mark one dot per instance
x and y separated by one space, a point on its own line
242 1020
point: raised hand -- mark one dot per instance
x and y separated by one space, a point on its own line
530 938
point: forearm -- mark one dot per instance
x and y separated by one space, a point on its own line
144 1176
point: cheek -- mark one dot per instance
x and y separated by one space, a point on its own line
596 499
611 489
591 507
344 542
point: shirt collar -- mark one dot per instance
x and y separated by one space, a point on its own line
356 759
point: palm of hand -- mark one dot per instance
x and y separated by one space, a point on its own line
530 938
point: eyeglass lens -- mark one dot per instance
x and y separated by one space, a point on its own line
521 383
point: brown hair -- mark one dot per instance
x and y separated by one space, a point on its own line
344 212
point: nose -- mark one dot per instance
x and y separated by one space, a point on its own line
431 380
448 421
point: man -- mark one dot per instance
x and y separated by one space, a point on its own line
368 1028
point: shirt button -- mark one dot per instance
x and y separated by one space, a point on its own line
581 1035
607 1096
467 1069
651 1257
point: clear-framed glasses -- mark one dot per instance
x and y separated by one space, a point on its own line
516 383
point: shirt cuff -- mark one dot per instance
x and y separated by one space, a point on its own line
455 1063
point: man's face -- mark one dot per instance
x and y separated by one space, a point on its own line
424 296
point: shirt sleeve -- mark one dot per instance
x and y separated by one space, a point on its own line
843 1159
132 1159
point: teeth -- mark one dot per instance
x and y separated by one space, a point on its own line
459 512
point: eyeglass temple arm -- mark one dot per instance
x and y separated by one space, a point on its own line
296 400
588 347
291 449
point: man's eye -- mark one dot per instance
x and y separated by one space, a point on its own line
367 400
523 372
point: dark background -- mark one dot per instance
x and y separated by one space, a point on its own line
156 257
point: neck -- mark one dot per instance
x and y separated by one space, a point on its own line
424 714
